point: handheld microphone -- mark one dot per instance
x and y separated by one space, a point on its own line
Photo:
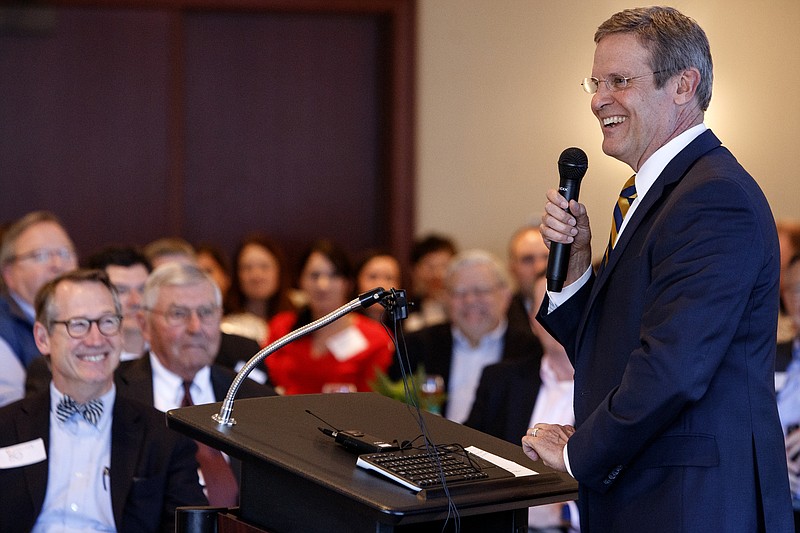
572 165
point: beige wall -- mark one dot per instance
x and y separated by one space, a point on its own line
499 99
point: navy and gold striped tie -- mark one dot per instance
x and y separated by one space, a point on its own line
626 198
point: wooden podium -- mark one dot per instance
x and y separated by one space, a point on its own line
295 479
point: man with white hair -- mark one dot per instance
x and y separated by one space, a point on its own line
478 291
180 321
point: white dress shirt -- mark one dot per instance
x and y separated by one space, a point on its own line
466 366
168 387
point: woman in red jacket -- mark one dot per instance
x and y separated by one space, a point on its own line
343 354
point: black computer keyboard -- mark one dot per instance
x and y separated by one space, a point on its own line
419 469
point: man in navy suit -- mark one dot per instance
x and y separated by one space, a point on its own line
673 338
78 456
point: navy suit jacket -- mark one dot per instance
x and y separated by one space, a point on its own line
153 469
505 398
17 330
673 345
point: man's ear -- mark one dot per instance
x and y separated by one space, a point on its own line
143 325
688 81
42 338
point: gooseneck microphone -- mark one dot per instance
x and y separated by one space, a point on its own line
572 165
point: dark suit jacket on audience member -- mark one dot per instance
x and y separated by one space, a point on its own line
505 398
154 470
134 379
433 347
518 317
235 348
783 356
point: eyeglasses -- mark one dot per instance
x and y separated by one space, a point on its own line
180 316
614 83
477 292
44 255
79 327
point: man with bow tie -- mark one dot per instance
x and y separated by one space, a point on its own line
78 457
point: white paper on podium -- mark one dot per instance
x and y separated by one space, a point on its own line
517 469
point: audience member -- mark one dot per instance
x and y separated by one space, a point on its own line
527 261
168 249
429 258
182 310
88 458
213 261
789 241
513 395
35 249
377 268
478 293
259 289
787 380
346 352
127 268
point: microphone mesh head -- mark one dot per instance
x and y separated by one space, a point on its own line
572 163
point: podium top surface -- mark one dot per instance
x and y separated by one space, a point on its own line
279 432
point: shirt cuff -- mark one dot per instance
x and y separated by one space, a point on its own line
566 461
558 298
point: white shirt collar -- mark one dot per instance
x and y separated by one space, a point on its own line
656 163
168 386
493 336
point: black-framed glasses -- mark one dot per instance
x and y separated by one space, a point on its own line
79 327
614 82
43 255
178 315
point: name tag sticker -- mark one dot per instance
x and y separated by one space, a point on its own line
347 343
22 454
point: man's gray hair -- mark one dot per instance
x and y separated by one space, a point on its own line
8 248
675 42
176 274
476 257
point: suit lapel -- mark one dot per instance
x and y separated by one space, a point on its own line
135 379
34 423
672 173
127 432
220 383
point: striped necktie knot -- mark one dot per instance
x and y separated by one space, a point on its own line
91 411
626 198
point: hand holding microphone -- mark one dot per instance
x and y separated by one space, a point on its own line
565 224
